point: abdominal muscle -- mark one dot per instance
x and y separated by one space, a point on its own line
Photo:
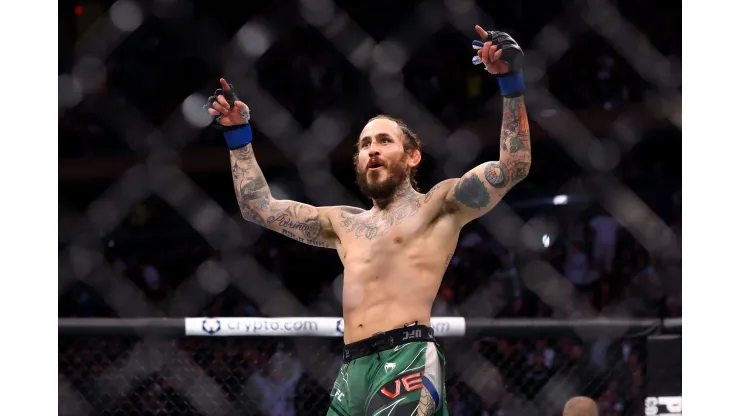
386 294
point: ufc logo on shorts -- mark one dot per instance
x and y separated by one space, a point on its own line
409 382
671 404
337 394
413 334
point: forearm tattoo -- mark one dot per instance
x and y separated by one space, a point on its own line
252 192
298 221
516 149
512 167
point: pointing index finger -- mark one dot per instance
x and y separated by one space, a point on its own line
481 32
225 85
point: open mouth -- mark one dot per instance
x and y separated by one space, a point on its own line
374 166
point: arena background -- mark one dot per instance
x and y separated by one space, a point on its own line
149 227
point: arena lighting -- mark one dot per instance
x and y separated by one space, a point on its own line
560 200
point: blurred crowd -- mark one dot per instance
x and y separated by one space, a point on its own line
601 269
308 75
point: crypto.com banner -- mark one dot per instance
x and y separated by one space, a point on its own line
297 326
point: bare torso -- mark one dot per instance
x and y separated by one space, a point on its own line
394 256
394 261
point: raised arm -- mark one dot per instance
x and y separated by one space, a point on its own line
301 222
481 188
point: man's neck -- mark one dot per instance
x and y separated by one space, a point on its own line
403 191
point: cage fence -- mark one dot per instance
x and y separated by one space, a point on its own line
130 374
506 366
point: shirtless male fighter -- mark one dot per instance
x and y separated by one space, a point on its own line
395 253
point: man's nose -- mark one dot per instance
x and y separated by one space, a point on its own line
373 153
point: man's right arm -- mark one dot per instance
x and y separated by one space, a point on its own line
301 222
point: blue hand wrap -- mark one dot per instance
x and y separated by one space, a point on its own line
511 85
239 137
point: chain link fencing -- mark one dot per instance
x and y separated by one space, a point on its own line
248 376
154 149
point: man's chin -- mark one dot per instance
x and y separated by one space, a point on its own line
379 190
377 184
375 177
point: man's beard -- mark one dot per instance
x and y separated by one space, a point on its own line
385 189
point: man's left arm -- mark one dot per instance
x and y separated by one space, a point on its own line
481 188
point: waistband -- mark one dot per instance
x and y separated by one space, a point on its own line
387 340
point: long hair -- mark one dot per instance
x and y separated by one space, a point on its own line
410 142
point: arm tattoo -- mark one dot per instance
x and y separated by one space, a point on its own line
254 189
516 153
298 221
514 126
252 192
496 174
309 227
317 243
471 192
253 216
520 171
244 153
516 143
512 167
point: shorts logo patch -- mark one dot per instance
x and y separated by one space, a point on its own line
389 367
406 384
337 394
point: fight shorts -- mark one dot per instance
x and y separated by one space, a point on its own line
398 372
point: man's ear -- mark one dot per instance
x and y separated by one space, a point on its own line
414 157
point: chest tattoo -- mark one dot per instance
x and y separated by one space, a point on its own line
371 225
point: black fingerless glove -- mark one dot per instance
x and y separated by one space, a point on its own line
511 83
236 136
231 98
